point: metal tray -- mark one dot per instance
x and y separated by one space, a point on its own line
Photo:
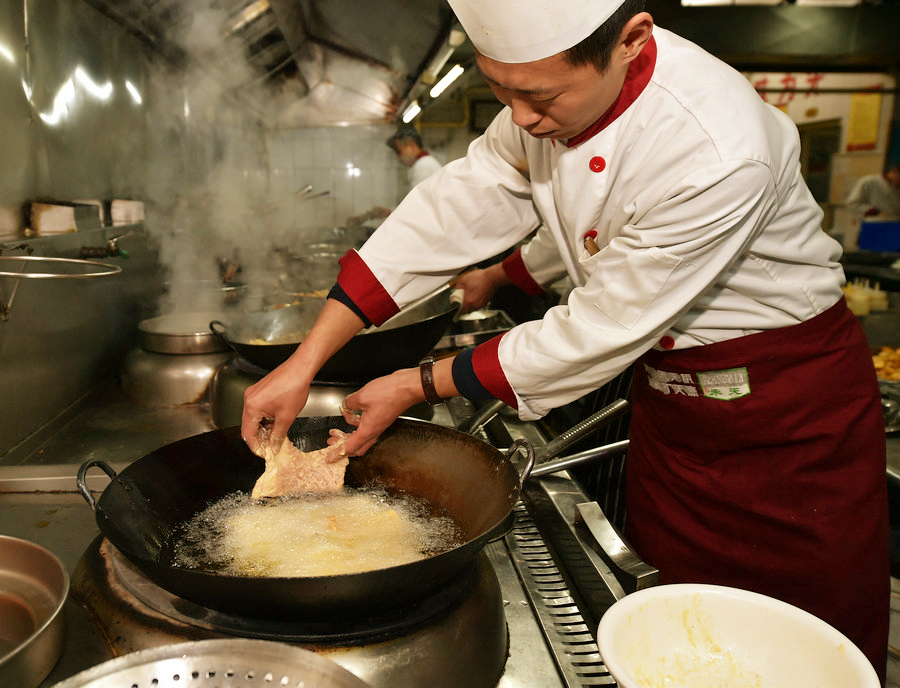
222 663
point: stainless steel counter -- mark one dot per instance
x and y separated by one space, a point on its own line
39 503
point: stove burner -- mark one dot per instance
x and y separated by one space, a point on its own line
461 631
387 624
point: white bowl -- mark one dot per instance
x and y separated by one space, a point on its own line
708 635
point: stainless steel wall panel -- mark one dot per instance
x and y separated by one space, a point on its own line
66 337
90 131
16 132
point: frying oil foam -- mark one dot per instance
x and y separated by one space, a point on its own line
312 535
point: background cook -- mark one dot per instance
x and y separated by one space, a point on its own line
674 198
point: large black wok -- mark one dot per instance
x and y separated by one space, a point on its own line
401 342
460 475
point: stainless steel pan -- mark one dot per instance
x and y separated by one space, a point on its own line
34 586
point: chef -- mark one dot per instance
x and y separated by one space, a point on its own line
877 195
673 196
407 146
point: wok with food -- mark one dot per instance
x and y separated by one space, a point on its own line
268 339
450 474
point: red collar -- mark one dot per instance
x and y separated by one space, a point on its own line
421 154
636 80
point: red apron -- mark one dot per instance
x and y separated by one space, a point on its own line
759 463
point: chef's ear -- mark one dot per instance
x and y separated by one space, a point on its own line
635 35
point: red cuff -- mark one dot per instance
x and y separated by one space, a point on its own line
486 364
515 269
364 289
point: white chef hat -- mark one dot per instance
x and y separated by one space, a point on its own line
517 31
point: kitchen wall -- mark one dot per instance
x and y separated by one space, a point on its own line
862 108
90 112
353 164
72 128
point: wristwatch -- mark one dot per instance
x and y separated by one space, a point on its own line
426 372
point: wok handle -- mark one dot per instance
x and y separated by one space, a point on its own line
567 438
218 328
566 462
631 571
518 444
482 418
81 480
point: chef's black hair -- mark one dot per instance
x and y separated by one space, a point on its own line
597 48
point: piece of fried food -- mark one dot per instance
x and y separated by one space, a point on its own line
291 471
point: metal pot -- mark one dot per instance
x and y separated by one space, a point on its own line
458 474
34 586
165 380
401 342
181 333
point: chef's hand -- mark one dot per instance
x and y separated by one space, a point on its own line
377 405
479 286
277 398
282 394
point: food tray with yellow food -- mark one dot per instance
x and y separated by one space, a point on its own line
887 366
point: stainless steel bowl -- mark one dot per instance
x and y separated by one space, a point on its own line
33 589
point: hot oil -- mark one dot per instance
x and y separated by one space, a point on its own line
352 531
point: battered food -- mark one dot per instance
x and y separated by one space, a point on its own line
291 471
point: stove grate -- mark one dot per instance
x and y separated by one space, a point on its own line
568 634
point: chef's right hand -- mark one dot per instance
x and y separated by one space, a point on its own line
279 397
282 394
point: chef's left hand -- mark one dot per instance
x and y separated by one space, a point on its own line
479 286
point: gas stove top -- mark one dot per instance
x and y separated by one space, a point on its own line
544 584
455 637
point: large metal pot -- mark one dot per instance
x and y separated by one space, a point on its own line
400 342
181 333
460 476
34 586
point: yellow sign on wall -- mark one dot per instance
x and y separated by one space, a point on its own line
865 116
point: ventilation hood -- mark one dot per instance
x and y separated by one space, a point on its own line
314 61
321 62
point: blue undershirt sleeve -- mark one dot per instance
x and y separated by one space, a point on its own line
338 294
466 380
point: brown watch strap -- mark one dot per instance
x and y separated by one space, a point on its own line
426 372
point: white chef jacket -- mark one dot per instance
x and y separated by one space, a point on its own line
874 191
423 167
705 226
